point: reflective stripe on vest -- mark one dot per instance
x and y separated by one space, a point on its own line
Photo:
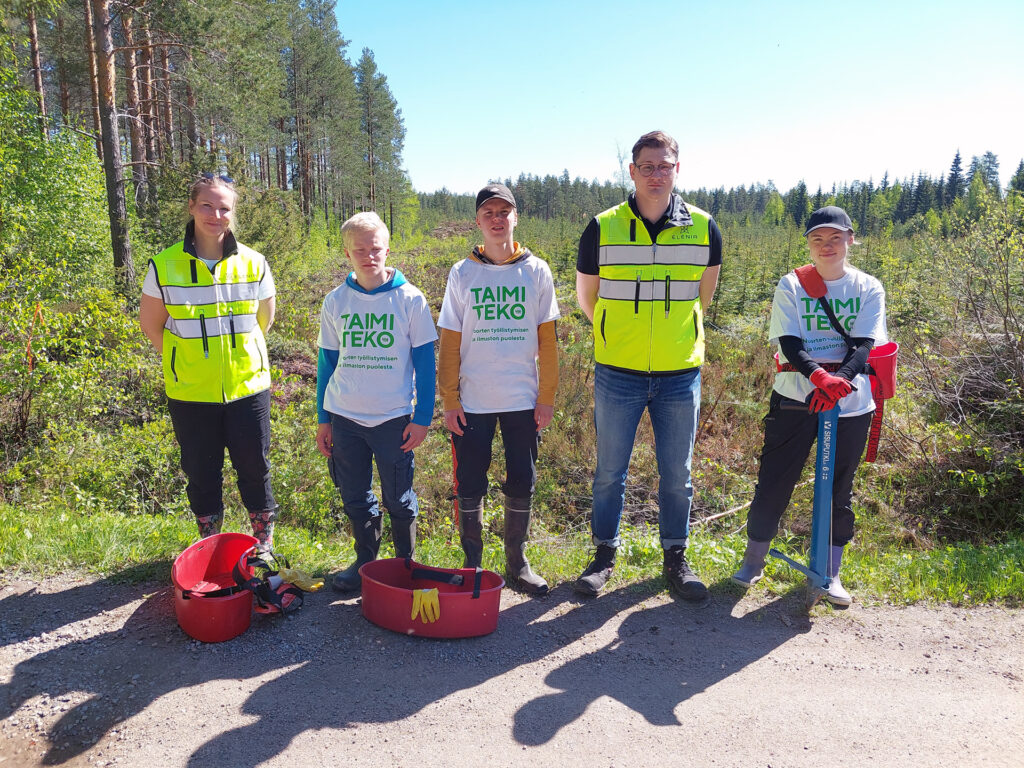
214 350
648 316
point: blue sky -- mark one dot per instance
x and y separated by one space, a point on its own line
753 91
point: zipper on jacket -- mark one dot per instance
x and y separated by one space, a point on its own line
174 353
636 296
668 294
231 325
206 340
604 316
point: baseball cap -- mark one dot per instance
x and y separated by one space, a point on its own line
499 191
829 216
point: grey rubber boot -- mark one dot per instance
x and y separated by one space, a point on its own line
593 579
681 577
517 532
403 531
471 530
753 563
837 594
366 542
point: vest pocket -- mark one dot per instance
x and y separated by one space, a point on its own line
174 354
206 339
231 324
604 317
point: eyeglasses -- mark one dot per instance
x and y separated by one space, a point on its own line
648 169
210 177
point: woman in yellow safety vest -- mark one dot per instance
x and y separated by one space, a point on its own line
207 302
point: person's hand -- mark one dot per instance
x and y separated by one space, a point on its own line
413 436
455 420
324 440
836 386
821 401
425 603
543 414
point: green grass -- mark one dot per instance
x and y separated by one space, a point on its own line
143 546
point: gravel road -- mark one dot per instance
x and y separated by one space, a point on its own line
97 673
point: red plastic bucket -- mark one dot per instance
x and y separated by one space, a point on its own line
205 568
883 362
387 598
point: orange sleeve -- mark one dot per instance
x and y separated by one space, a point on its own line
547 359
449 362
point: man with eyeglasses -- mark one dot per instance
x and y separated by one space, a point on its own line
645 274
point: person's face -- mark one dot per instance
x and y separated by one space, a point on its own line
213 211
663 167
829 247
367 253
496 219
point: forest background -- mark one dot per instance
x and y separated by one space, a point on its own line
108 110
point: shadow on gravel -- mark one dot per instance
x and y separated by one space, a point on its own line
662 657
30 614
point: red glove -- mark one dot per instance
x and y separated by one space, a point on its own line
821 401
836 386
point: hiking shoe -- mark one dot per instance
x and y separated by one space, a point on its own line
593 579
837 594
679 576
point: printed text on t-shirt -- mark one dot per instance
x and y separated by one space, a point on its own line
499 302
815 321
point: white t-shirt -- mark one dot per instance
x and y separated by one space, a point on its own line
374 335
858 301
267 289
497 308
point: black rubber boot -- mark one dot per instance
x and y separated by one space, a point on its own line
592 580
471 530
403 531
366 541
681 578
517 531
262 523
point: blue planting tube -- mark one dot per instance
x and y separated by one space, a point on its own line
821 518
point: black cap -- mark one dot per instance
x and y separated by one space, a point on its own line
491 191
829 216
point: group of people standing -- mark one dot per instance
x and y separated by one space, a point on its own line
647 270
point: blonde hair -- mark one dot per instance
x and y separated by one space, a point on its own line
367 221
209 180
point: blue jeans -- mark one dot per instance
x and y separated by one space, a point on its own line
351 465
674 405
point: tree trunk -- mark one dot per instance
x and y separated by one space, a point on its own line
165 79
150 111
37 68
90 49
191 130
124 267
135 129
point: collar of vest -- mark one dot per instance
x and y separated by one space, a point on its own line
189 244
677 215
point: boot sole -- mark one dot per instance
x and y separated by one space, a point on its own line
345 586
743 583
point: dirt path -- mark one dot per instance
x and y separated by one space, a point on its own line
99 674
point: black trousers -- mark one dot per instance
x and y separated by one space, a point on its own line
789 432
472 452
204 430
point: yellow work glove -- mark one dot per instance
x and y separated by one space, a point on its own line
300 579
425 603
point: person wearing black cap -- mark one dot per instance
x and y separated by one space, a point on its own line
497 323
817 367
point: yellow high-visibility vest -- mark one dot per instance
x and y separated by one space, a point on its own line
214 350
648 316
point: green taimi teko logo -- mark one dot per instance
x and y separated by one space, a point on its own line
500 302
367 330
846 313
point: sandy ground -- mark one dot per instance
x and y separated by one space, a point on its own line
98 673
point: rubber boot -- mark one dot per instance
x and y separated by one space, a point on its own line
753 563
209 524
517 531
680 577
471 530
593 579
836 594
403 531
262 523
366 542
